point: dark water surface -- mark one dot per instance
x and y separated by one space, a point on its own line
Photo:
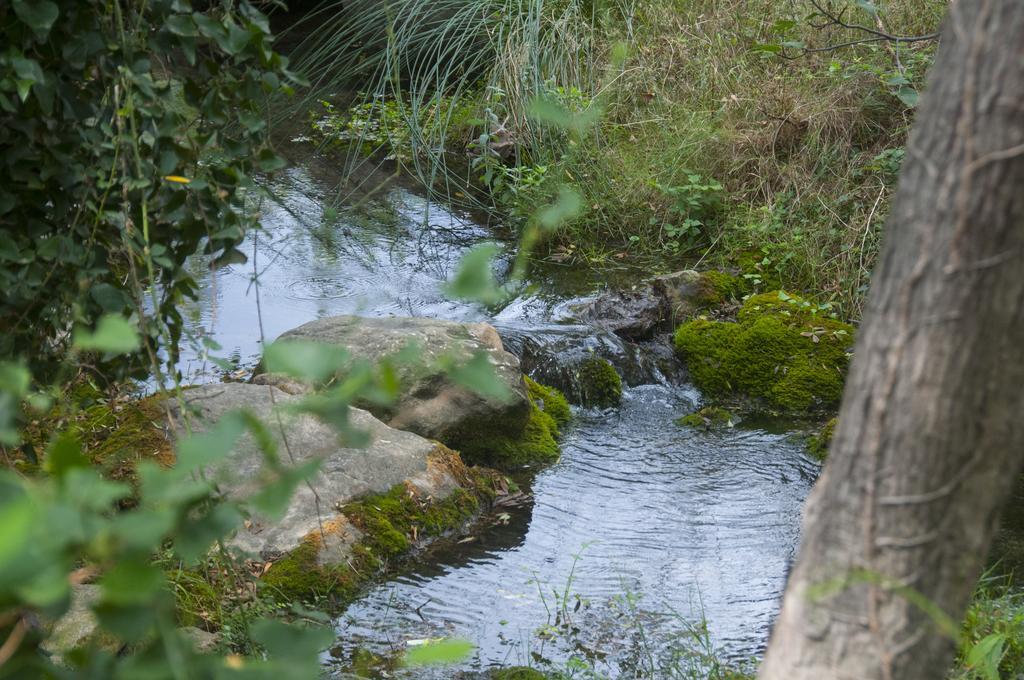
640 533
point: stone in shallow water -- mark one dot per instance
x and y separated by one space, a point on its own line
392 457
430 402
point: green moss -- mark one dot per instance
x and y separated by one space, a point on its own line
366 664
390 523
517 673
391 520
536 446
299 575
538 442
757 270
780 351
718 287
817 444
709 417
551 401
600 384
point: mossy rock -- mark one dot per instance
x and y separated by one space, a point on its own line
299 576
818 443
781 351
551 401
517 673
537 445
600 384
717 288
115 435
709 418
752 264
391 524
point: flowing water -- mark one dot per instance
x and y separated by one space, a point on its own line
646 544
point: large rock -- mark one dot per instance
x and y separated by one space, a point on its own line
630 314
78 626
391 458
430 403
659 303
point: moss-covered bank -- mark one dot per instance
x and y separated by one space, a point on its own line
389 526
600 384
537 445
818 443
782 352
115 433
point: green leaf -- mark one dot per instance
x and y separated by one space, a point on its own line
908 95
17 517
553 113
206 448
196 537
304 359
14 383
566 206
39 15
475 278
182 25
985 656
114 334
273 499
130 583
447 651
110 298
268 161
868 7
65 454
478 375
85 488
143 530
290 642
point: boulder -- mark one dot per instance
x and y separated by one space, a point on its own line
633 314
659 303
78 626
391 458
201 640
430 403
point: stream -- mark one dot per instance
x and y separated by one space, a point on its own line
645 549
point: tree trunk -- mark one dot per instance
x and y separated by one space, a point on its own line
931 430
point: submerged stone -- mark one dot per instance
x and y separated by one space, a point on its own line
709 417
517 673
600 384
780 351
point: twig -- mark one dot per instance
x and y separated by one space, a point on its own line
13 641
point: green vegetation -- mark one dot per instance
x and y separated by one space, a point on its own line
599 382
536 446
818 443
781 168
550 401
390 525
658 133
518 673
782 350
121 176
709 417
993 634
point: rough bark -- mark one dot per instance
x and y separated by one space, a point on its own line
931 430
